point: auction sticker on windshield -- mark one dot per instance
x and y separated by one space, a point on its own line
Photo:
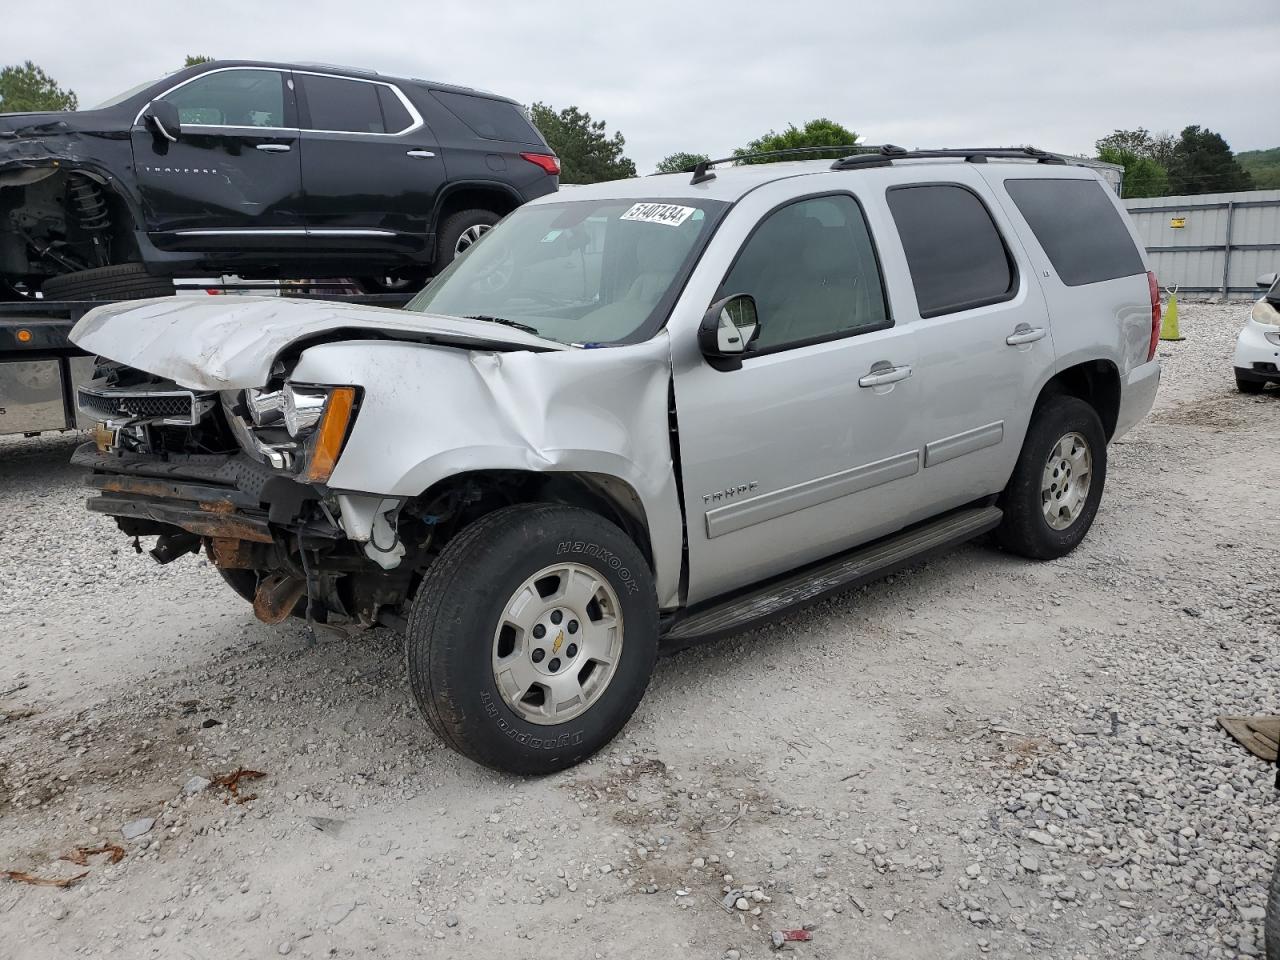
668 213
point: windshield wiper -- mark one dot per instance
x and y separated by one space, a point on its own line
523 327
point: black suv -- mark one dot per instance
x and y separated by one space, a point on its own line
264 170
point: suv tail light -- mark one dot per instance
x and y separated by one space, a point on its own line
547 161
1155 314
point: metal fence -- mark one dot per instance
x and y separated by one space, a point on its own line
1214 243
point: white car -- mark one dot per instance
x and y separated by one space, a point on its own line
1257 359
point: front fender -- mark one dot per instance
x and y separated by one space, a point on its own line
429 413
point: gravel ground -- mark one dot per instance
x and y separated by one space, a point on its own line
979 757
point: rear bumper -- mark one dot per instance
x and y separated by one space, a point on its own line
1137 395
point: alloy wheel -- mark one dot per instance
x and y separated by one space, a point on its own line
558 643
1068 473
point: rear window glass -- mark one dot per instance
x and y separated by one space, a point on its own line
1079 227
956 255
394 115
490 119
336 104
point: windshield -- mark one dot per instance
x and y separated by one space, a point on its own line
587 271
122 97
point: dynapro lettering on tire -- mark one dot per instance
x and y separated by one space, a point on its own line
536 743
455 618
601 554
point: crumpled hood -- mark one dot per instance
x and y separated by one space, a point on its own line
52 123
228 343
11 122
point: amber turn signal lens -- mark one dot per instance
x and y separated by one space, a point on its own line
24 336
332 434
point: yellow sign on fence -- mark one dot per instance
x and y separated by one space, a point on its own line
1177 222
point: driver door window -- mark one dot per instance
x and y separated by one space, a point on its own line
812 270
232 98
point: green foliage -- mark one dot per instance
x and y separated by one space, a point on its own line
1141 143
28 89
1263 166
194 59
816 133
680 161
587 154
1143 177
1203 163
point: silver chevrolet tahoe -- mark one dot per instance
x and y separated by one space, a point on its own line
639 415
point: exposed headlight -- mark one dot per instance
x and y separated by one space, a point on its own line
1264 311
265 406
302 408
321 418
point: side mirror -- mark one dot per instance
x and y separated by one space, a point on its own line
162 120
1267 280
728 329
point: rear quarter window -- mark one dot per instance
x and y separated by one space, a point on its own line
957 258
489 119
1081 231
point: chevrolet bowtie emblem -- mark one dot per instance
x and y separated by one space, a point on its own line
555 647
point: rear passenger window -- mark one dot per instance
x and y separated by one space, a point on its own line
1079 228
342 105
956 255
490 119
813 273
394 116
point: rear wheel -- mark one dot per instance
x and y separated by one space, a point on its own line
532 637
459 232
121 281
1056 487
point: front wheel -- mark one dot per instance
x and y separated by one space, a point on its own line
120 281
1056 487
532 637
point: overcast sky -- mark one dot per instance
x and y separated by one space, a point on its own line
709 75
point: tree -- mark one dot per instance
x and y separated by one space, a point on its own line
195 59
1141 143
816 133
680 161
1203 163
1143 177
1263 166
28 89
587 154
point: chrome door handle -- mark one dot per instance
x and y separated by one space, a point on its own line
1024 333
881 375
419 153
274 147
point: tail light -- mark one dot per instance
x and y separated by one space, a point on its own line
547 161
1155 314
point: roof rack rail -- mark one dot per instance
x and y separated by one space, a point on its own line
702 169
887 153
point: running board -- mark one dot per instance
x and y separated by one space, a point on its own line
867 563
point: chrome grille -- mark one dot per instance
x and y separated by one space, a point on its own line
174 406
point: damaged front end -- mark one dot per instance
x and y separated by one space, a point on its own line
242 474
